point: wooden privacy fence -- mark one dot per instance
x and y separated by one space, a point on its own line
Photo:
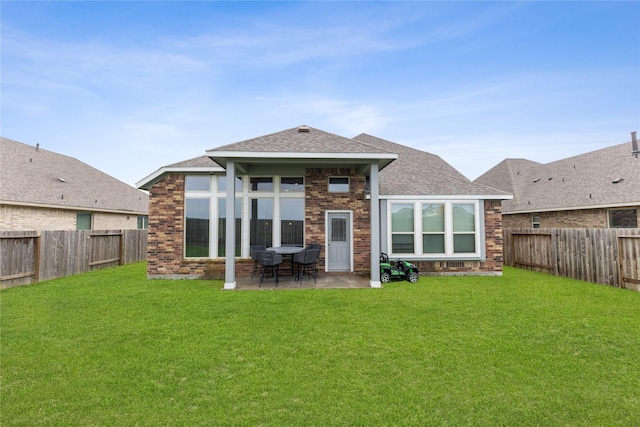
601 255
32 256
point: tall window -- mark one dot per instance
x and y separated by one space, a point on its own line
440 229
261 222
464 228
433 228
402 228
197 227
222 227
292 222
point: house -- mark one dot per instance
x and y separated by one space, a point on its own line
599 189
357 197
43 190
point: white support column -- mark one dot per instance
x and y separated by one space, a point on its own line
230 248
375 226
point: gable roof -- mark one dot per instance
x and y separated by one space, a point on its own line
420 173
404 171
579 182
301 144
32 176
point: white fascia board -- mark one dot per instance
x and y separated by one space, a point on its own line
148 181
577 208
244 155
447 197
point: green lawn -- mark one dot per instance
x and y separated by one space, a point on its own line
111 348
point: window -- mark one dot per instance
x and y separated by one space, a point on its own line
623 218
261 184
261 222
464 228
197 227
83 221
435 229
402 228
222 227
222 184
535 220
290 185
339 185
197 183
143 222
292 222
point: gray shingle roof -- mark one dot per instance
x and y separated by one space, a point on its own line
581 181
292 140
41 177
417 172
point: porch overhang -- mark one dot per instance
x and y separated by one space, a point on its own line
245 160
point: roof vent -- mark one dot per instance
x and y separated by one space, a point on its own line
615 181
536 180
303 128
634 145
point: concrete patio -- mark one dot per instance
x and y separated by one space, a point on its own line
286 281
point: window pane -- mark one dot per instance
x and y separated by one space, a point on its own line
433 218
338 229
402 243
222 184
292 221
197 228
261 184
83 221
197 182
290 185
623 218
339 185
464 243
463 217
222 227
261 222
401 217
433 243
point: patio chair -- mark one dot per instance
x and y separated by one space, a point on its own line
269 261
253 250
307 261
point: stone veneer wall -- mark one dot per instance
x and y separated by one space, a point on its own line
318 200
492 265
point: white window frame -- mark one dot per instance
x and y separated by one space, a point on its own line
448 229
246 195
338 191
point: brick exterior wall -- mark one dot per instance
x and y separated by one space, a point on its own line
165 257
318 200
493 263
28 218
582 218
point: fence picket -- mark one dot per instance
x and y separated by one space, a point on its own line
29 257
607 256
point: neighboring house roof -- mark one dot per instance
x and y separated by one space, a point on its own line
585 181
417 172
32 176
404 171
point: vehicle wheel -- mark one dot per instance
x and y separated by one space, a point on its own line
385 277
412 277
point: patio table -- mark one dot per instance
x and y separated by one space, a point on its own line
287 251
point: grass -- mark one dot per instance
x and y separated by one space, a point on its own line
111 348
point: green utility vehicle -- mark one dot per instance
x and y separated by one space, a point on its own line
397 270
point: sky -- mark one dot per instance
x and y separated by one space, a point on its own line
128 87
